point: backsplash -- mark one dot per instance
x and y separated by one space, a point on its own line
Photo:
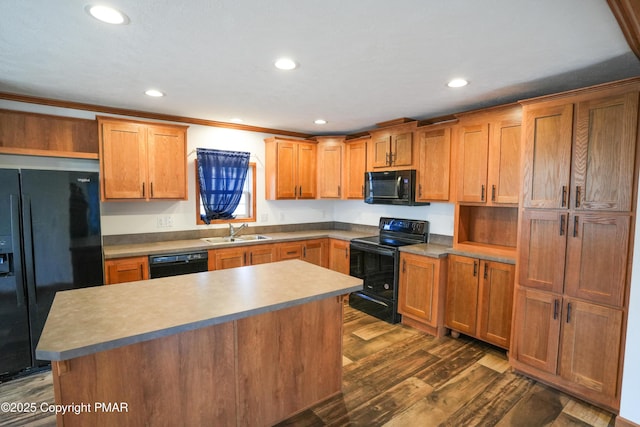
128 239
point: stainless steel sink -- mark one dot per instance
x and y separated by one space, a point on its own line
253 237
238 239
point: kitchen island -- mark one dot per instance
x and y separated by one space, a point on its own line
244 346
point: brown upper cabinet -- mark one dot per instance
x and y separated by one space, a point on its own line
355 167
392 148
46 135
330 166
290 169
142 161
580 155
489 156
434 171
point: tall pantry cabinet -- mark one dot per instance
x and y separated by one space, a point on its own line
576 222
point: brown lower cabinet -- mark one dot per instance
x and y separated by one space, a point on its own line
219 259
570 343
126 270
313 251
421 292
339 255
479 299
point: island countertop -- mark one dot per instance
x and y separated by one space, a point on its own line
90 320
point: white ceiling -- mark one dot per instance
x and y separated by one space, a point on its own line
361 61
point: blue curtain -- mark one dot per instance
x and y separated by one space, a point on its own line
221 175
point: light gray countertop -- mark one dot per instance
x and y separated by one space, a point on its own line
194 245
90 320
426 249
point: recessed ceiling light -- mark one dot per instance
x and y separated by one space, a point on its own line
286 64
154 92
320 121
236 120
457 83
107 14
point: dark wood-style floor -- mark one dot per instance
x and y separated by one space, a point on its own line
397 376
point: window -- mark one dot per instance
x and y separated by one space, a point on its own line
246 210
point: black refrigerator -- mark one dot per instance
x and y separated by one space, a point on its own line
50 241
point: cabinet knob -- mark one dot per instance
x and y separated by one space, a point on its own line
578 196
493 192
482 193
564 196
143 189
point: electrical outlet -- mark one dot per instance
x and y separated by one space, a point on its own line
164 221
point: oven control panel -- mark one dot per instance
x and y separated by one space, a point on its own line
410 226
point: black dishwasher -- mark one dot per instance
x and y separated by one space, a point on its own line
176 264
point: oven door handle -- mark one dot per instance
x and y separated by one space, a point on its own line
371 248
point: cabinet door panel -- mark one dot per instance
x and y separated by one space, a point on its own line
357 165
381 151
286 184
339 256
416 293
306 171
230 258
462 294
167 150
542 249
547 156
604 153
597 257
472 164
496 302
402 149
315 252
123 157
504 163
591 337
262 254
126 270
330 171
435 161
537 324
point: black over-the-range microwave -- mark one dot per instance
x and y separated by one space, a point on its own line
391 188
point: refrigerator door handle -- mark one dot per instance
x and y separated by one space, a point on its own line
28 248
15 230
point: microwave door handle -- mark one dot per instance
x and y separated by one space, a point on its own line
399 187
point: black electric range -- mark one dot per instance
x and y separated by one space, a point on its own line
375 260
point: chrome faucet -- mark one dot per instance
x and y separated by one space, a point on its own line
235 231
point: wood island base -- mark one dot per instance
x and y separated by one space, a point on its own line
254 371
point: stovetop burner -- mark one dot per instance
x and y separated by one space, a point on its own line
396 232
387 241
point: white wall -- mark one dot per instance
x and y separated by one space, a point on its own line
440 215
630 403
